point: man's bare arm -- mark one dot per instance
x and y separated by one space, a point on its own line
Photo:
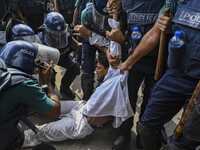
75 17
44 79
146 45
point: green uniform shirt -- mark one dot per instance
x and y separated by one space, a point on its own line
84 16
28 92
78 3
172 5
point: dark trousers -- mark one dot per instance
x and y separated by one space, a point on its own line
134 81
172 92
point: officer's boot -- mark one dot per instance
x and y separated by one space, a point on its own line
67 80
87 84
123 135
149 137
138 142
172 146
53 78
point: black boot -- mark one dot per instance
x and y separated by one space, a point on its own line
123 135
44 147
172 146
87 84
138 142
150 137
67 80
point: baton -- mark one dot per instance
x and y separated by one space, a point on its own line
193 100
159 65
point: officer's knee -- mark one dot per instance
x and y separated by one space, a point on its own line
75 69
87 76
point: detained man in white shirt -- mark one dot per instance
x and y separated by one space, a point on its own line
79 118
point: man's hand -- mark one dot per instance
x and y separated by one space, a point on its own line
114 7
45 74
115 35
80 45
124 66
98 121
112 59
165 23
82 31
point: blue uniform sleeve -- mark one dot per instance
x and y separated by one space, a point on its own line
33 95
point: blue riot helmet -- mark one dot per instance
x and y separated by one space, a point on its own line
23 32
55 30
100 13
28 56
10 20
19 54
100 6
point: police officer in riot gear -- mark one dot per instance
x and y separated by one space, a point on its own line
22 32
183 73
174 90
93 18
19 88
142 14
56 34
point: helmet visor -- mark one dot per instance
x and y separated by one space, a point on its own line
57 39
98 18
29 38
46 54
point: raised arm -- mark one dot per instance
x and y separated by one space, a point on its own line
44 79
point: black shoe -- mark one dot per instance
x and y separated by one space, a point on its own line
138 142
67 94
44 147
121 142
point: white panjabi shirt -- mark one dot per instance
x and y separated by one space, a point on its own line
111 97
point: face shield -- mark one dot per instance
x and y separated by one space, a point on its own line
29 38
46 54
99 19
57 39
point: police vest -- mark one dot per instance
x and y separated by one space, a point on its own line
67 9
48 6
12 5
187 19
3 8
143 13
93 24
33 11
9 131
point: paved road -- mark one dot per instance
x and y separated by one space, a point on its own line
101 138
